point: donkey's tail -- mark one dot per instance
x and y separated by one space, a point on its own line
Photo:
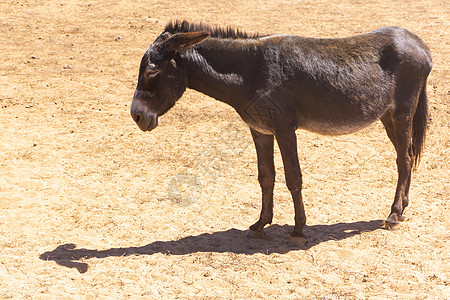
419 126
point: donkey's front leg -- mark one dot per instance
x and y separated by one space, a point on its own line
287 141
266 178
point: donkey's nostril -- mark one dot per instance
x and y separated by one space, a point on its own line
136 117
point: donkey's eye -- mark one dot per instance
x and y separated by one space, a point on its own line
151 71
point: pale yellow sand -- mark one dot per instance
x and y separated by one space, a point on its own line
164 214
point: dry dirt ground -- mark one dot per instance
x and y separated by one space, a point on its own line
91 207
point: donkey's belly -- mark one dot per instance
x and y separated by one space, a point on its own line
328 127
341 115
340 123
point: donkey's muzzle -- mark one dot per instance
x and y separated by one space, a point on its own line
144 118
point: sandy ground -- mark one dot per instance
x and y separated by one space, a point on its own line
91 207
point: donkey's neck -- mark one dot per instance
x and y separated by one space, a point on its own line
222 69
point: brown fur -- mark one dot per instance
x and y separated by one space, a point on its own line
278 84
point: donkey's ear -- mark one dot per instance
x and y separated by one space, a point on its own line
179 41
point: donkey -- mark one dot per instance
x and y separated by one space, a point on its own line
279 83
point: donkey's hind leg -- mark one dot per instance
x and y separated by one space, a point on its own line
398 126
399 200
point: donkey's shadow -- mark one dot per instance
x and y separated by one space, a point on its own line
232 240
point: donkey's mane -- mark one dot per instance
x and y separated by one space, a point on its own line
215 31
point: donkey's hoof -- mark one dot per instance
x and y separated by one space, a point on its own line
255 234
392 221
297 241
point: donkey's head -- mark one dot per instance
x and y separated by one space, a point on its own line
161 80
